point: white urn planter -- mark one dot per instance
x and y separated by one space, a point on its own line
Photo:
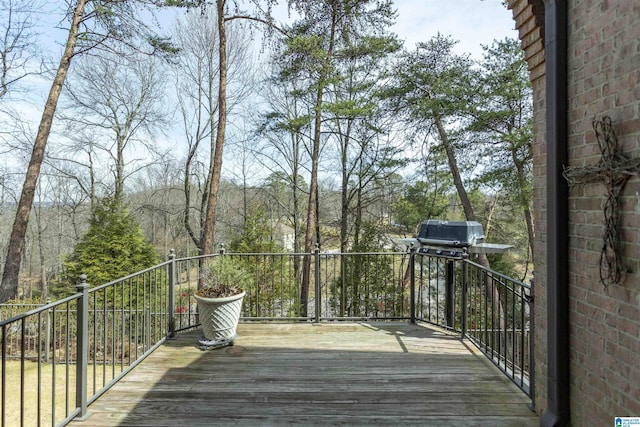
219 319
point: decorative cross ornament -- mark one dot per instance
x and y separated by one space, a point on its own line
613 170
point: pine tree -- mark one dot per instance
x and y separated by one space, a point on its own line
113 247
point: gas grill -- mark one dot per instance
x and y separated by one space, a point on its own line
452 239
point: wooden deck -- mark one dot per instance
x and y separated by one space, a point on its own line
326 374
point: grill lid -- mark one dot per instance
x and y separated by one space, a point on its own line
458 234
452 239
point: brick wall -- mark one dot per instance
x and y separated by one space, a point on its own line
529 19
604 79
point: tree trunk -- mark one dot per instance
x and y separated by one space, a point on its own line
455 172
311 209
313 185
491 289
530 231
43 269
344 211
358 209
93 199
492 210
524 200
318 241
186 219
296 208
214 183
119 184
10 276
344 230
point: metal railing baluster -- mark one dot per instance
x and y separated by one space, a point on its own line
82 345
4 376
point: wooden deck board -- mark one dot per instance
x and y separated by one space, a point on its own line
326 374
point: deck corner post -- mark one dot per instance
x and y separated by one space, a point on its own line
465 288
148 326
171 273
82 350
318 292
449 308
532 347
47 336
412 284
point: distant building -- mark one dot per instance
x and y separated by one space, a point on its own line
283 235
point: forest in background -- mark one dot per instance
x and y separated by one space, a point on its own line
323 130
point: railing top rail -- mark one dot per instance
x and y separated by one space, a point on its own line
363 253
195 257
8 305
40 309
287 254
130 276
495 273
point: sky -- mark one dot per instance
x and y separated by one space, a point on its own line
473 22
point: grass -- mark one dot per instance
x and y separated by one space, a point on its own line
38 401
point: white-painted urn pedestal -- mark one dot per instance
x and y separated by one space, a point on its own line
219 319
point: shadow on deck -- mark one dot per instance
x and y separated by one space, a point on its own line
316 374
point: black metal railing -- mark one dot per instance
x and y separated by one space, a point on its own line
341 286
58 358
494 311
499 317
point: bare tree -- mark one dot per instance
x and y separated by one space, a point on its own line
206 54
223 16
157 200
18 58
94 25
40 230
78 162
119 100
285 128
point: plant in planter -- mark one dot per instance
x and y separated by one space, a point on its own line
219 300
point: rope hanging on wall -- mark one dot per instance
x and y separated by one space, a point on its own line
613 170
